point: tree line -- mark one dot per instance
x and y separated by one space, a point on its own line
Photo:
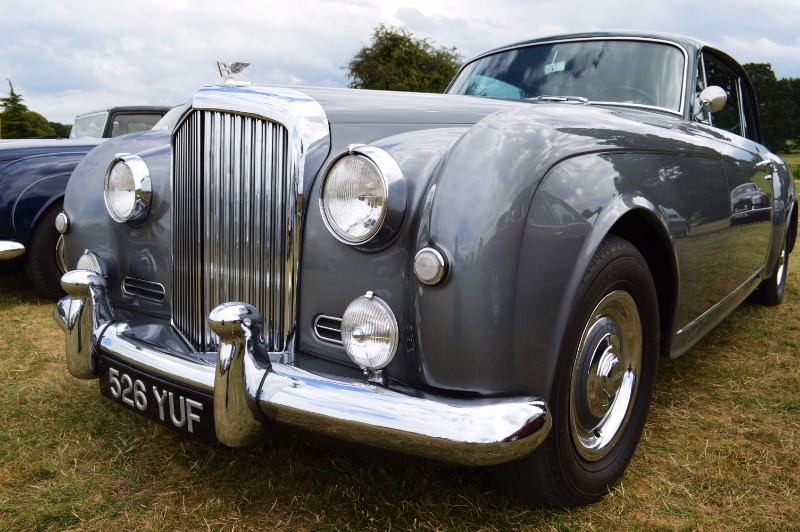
778 107
19 122
396 60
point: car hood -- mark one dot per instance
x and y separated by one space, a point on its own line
15 149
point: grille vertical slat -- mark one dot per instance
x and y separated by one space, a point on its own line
230 222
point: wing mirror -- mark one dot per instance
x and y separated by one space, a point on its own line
713 99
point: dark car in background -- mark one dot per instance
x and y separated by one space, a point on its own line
33 177
117 121
485 277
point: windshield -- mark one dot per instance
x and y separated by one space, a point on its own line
169 120
90 125
603 71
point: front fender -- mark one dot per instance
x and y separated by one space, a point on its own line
29 186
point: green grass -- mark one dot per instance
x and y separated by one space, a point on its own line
793 160
721 449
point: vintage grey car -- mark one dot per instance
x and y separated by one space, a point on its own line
484 277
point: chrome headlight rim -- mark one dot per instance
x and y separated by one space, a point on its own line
142 191
391 218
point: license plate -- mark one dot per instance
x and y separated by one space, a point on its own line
179 407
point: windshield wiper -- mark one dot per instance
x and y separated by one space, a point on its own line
565 99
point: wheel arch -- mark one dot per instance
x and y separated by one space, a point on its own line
791 233
645 231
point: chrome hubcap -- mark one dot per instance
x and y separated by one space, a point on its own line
605 375
781 267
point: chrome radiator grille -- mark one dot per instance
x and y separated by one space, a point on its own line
232 223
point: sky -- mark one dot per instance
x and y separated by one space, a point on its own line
67 58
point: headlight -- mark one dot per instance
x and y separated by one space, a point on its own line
363 196
369 332
127 190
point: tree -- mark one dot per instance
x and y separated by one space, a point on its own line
775 105
395 60
61 130
18 122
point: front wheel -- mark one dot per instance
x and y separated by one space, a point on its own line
604 382
41 264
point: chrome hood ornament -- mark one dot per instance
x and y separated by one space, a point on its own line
227 70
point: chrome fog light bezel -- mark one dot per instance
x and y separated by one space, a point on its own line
141 192
353 326
383 226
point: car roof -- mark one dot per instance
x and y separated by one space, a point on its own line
688 43
131 109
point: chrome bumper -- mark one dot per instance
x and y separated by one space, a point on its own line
10 249
248 390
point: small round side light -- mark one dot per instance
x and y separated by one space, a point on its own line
62 223
430 266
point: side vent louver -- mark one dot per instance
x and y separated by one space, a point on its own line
328 329
143 289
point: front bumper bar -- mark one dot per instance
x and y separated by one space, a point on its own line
250 392
10 249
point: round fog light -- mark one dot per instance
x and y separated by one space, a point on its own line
369 332
89 261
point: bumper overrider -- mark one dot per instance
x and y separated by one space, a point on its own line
10 249
250 392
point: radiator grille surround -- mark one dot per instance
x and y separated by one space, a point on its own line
233 217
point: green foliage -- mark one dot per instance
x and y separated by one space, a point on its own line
395 60
62 130
778 106
19 122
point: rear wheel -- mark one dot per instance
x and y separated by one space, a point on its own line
604 382
41 265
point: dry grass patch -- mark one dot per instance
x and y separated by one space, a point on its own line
720 450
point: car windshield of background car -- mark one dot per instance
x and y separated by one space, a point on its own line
90 125
124 124
169 120
609 71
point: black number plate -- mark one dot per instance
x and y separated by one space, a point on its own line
179 407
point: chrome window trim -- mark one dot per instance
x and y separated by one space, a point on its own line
680 112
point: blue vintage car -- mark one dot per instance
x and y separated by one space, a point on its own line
485 277
33 178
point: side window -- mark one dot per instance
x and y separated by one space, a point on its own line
717 73
749 110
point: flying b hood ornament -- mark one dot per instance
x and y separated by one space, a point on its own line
227 71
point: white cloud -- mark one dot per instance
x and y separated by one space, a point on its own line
70 57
